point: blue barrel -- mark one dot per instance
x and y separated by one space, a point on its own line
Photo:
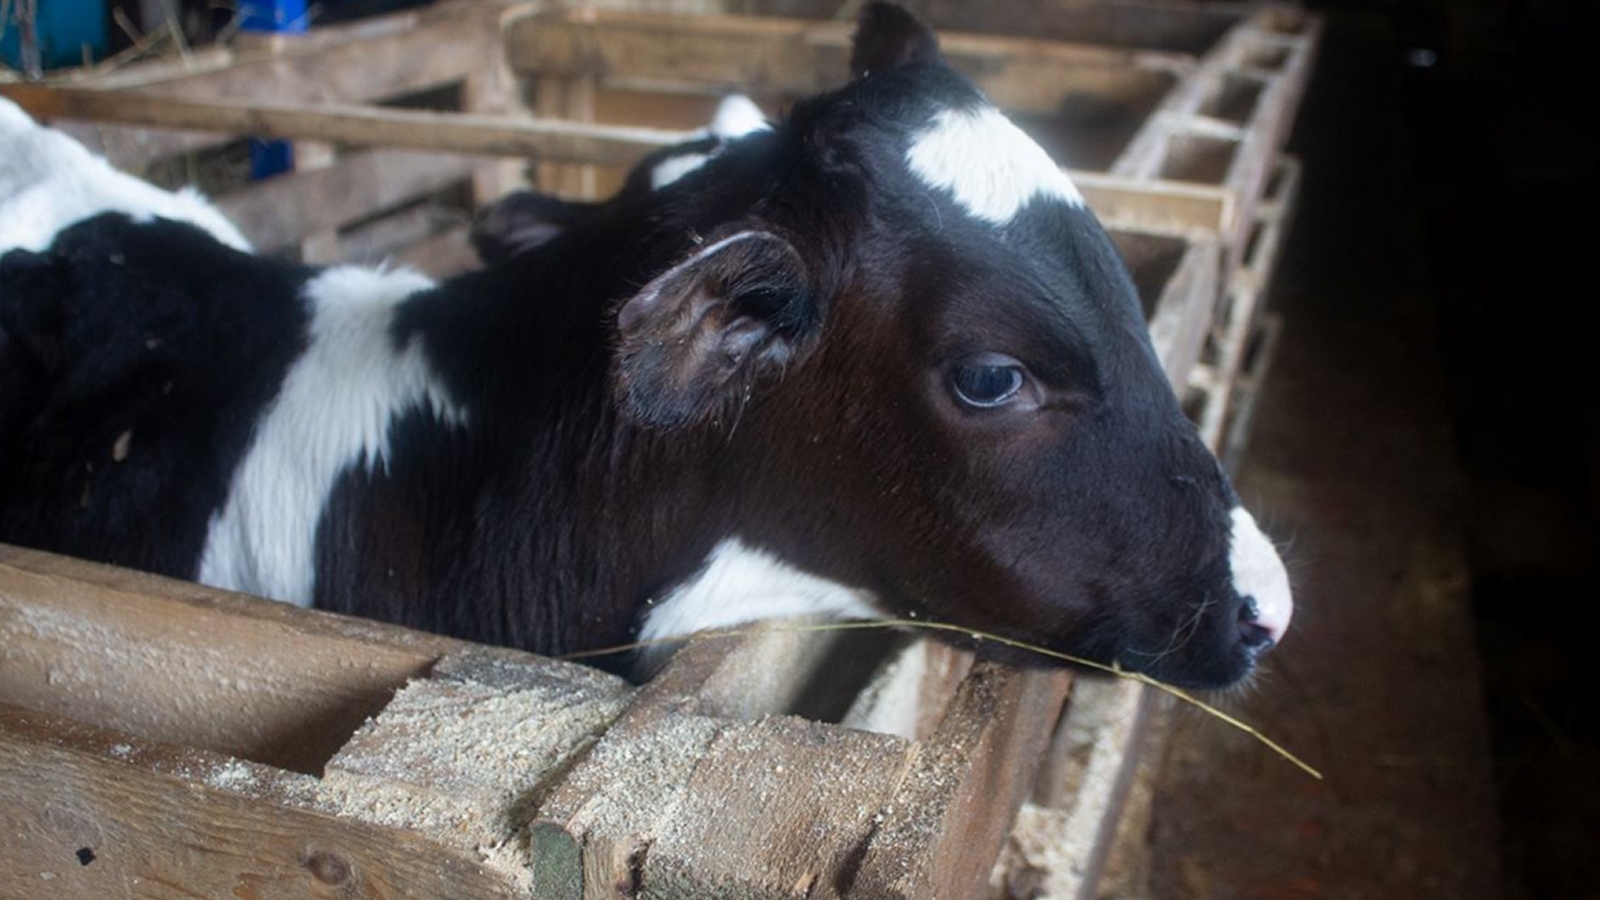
65 28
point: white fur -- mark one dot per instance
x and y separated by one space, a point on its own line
741 584
48 181
736 116
1258 572
332 412
988 163
674 168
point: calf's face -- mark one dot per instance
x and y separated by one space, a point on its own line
934 383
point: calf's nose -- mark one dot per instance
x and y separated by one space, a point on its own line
1260 578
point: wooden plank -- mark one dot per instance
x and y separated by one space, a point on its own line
799 57
89 813
459 757
447 48
280 211
775 809
1184 313
200 61
1237 438
352 124
911 691
1155 206
1245 296
181 663
1064 834
947 821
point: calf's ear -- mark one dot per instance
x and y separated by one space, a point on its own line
697 340
886 37
522 221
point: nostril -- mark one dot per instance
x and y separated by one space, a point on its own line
1255 638
1250 610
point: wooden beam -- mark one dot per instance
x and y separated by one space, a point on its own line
361 66
351 124
280 211
89 813
953 809
1185 311
177 662
1155 206
799 57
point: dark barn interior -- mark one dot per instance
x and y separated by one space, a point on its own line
1429 443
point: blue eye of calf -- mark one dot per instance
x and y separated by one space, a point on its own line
984 386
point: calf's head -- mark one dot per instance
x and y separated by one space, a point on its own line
930 379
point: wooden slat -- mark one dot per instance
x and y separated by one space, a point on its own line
1183 314
1155 206
799 57
177 662
351 124
951 813
447 48
89 813
1064 834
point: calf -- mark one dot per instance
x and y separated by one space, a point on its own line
49 181
879 360
526 219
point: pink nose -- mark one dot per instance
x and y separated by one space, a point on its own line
1260 578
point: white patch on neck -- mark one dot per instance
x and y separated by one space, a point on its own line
333 411
1258 572
736 116
988 163
741 584
49 181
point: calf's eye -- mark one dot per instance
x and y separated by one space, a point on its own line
986 381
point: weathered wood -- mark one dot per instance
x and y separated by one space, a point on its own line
1063 836
1244 300
280 211
1184 135
799 57
462 757
775 809
351 124
177 662
951 813
1183 314
1155 206
89 813
1249 385
911 691
357 66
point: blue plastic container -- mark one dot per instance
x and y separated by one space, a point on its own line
65 28
269 158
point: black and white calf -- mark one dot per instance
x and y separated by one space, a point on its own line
49 181
878 360
527 219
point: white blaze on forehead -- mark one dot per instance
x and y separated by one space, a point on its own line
333 411
741 584
988 163
1258 572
